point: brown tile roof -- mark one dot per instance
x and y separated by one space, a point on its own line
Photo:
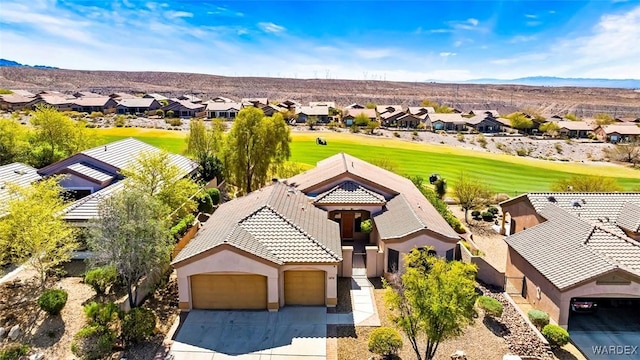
344 164
276 223
15 99
574 125
629 129
350 192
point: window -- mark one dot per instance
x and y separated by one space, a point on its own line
393 258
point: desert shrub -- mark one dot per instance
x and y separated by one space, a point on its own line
205 204
491 306
138 324
174 121
160 113
53 301
487 216
170 113
93 342
494 210
476 214
96 114
558 147
539 318
101 278
121 121
385 341
414 133
396 134
182 226
555 335
13 351
460 137
500 145
103 314
366 226
354 128
214 193
482 141
523 151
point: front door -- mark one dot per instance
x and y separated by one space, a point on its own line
347 225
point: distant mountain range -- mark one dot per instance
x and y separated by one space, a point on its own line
558 81
11 63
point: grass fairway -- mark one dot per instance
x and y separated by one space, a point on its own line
504 173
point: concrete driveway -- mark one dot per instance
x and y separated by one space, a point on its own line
292 332
610 333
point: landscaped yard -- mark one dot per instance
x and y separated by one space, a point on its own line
504 173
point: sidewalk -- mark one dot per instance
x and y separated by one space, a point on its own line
363 304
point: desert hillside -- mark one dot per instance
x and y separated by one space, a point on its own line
505 98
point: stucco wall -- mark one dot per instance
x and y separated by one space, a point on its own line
417 241
486 273
523 214
229 262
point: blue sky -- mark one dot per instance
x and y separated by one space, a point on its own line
372 40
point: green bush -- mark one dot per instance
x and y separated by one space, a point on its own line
476 214
539 318
395 133
173 121
101 278
160 113
555 335
482 141
487 216
366 226
205 204
182 226
491 306
214 193
93 342
121 121
385 341
494 210
523 151
460 137
13 351
96 114
53 301
138 324
170 113
102 314
354 129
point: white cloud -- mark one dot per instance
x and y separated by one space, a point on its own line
473 21
373 53
439 31
447 54
458 43
522 38
531 16
270 27
172 14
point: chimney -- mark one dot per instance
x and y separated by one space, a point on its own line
105 148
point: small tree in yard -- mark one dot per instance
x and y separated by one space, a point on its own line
34 231
433 299
440 187
312 121
471 193
372 126
132 235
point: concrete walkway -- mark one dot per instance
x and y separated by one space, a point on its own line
363 303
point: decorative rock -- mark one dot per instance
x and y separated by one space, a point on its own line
14 332
3 332
36 356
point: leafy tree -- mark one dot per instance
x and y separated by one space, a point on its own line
155 175
440 187
56 136
14 141
372 126
604 119
286 170
361 120
520 121
550 128
627 152
34 231
370 105
433 300
132 235
4 91
572 117
471 193
437 107
583 183
255 144
334 112
534 113
312 121
205 145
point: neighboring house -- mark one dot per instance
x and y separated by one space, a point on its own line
191 98
408 121
137 105
18 174
421 111
185 109
568 246
221 99
446 122
352 113
574 129
320 112
618 133
484 123
270 110
223 110
391 118
60 103
104 104
287 243
155 96
14 102
95 173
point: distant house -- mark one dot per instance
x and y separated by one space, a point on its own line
568 246
14 102
191 98
223 110
18 174
270 110
574 129
353 113
158 97
390 119
137 105
446 122
491 113
320 112
24 93
330 104
60 103
220 99
255 102
618 133
94 174
102 104
121 95
381 109
80 94
421 111
185 109
354 106
408 121
484 123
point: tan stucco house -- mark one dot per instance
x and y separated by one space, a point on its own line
567 246
287 243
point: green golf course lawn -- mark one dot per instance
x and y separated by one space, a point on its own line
503 173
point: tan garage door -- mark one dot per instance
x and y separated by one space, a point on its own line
228 291
304 287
